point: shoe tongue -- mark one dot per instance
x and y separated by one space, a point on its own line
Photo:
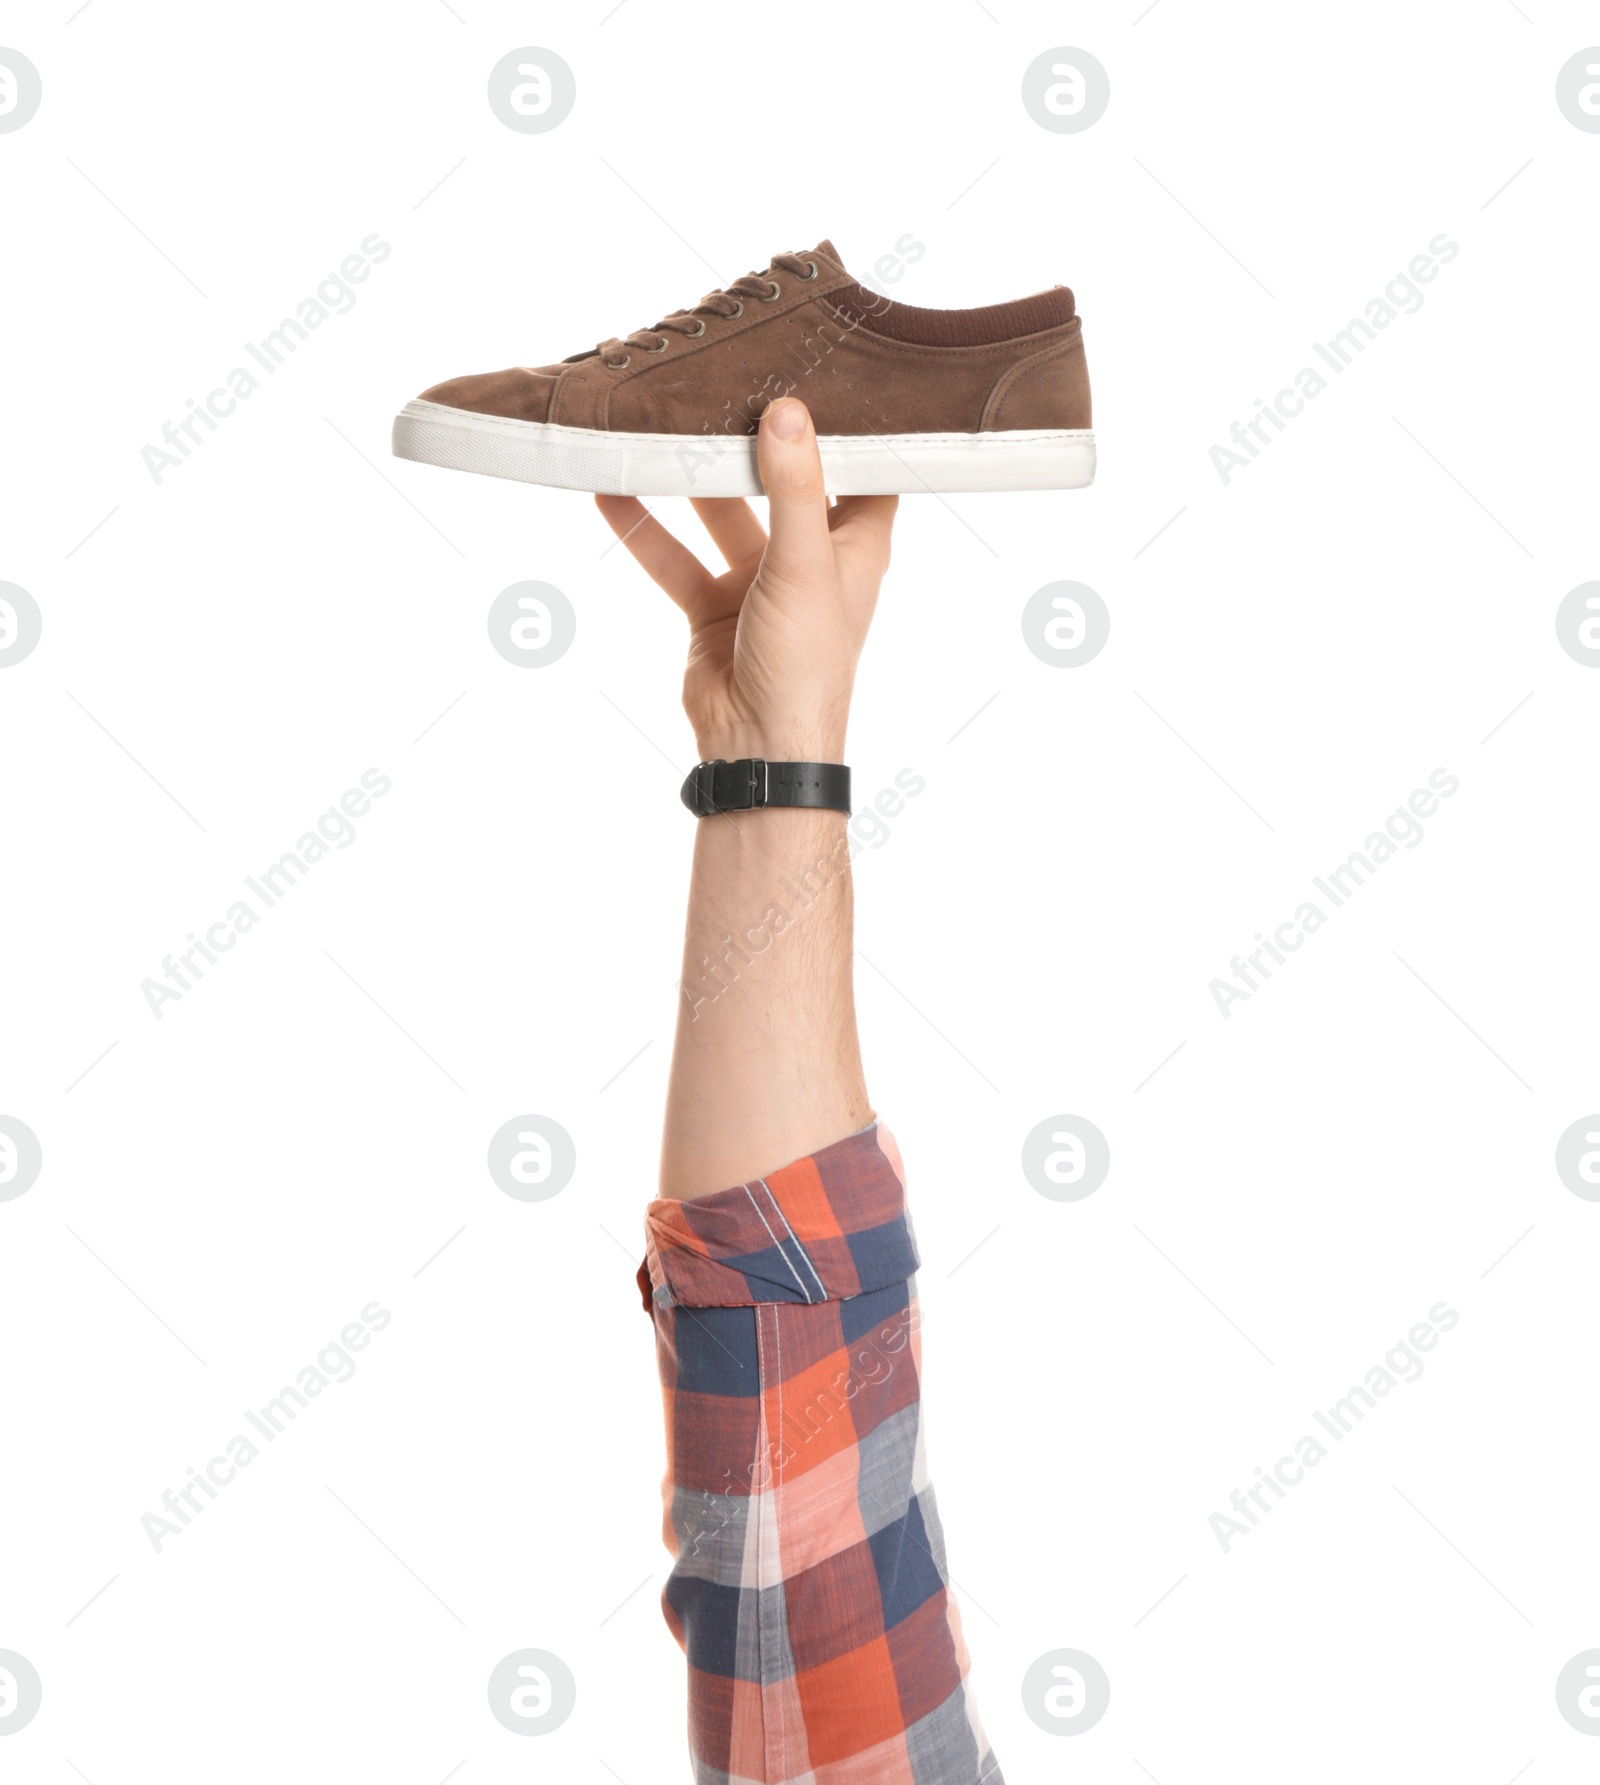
827 247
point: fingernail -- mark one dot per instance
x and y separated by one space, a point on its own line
787 419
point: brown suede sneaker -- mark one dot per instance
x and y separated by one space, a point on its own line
903 399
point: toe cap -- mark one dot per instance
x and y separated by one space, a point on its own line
519 393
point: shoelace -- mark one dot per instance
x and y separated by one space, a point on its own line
762 287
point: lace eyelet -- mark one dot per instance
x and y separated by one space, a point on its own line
661 349
806 278
698 329
737 311
773 295
616 365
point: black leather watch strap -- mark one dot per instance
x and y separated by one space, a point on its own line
751 783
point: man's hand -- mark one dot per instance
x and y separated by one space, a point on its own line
767 1066
773 640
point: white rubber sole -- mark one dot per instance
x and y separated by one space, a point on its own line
725 465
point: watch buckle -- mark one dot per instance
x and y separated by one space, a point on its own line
753 792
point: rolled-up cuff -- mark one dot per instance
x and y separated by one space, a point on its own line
831 1225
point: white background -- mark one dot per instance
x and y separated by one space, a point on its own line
1289 659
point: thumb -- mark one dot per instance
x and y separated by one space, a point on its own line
791 474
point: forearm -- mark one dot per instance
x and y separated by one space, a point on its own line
766 1064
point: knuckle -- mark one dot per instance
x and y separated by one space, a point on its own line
800 483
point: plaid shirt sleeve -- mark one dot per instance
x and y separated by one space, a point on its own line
808 1588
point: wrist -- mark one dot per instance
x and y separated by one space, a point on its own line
787 743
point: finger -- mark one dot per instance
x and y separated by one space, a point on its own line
861 529
733 526
871 516
797 502
667 561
